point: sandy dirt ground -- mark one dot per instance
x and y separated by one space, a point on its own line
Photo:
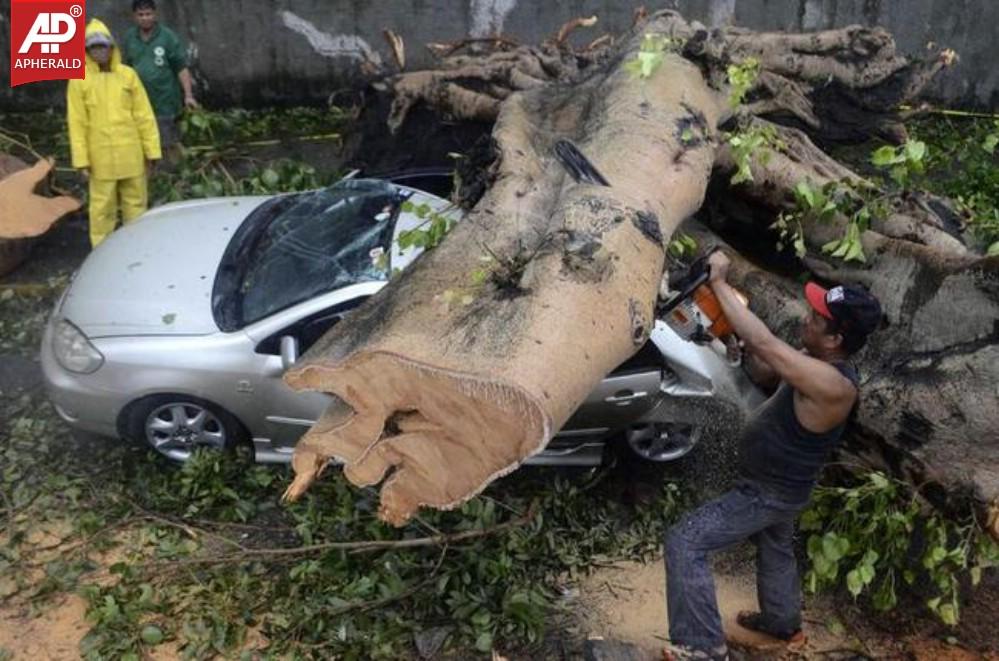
52 631
626 602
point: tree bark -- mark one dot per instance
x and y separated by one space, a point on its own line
468 362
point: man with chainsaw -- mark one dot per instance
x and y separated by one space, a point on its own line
112 134
781 452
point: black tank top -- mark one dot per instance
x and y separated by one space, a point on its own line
780 455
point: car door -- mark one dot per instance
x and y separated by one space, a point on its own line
285 414
624 395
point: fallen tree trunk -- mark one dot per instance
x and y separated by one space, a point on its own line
454 390
466 363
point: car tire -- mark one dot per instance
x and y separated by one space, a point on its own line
663 441
176 425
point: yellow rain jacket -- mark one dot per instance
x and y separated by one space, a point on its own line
112 129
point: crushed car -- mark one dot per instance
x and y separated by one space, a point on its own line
177 329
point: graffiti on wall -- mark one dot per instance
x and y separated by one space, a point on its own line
488 16
331 45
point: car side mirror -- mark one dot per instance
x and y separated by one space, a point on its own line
289 350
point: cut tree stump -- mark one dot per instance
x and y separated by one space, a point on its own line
24 214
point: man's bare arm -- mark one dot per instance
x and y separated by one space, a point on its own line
813 379
187 85
760 372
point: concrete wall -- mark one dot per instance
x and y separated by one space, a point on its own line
257 52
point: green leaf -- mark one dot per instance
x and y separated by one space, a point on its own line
806 193
484 643
870 557
814 547
799 246
976 575
899 175
990 143
993 250
915 150
948 613
833 546
744 173
151 635
854 582
856 252
878 480
884 156
831 246
649 63
810 520
270 178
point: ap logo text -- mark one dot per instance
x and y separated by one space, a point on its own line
46 41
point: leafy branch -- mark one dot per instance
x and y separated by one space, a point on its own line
859 202
874 537
749 143
741 78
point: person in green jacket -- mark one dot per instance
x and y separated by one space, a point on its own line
159 56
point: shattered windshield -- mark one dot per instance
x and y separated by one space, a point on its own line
304 245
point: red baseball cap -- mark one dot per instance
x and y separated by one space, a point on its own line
854 309
816 297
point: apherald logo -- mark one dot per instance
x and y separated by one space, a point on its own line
46 40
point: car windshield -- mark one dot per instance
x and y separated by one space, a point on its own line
299 246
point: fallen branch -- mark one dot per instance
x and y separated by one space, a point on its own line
448 48
398 47
571 26
366 546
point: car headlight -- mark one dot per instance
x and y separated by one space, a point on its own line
73 350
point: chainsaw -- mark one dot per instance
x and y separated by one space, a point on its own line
688 305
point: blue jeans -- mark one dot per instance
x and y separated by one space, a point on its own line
746 512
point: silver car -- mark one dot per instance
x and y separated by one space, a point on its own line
177 330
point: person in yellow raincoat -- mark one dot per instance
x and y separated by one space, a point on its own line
112 134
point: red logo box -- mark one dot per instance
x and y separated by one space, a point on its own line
46 40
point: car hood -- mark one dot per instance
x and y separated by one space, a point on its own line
155 276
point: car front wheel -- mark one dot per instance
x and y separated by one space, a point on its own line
177 425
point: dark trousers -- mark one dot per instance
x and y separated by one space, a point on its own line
746 512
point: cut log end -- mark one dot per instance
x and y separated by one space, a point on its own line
434 437
23 212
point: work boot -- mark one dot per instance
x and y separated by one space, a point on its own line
757 622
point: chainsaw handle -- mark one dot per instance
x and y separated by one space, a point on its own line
698 274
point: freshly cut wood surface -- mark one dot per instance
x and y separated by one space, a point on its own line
23 212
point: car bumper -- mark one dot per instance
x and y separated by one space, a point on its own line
79 399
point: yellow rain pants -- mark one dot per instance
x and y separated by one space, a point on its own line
107 196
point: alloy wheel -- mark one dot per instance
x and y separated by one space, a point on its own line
177 429
663 441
